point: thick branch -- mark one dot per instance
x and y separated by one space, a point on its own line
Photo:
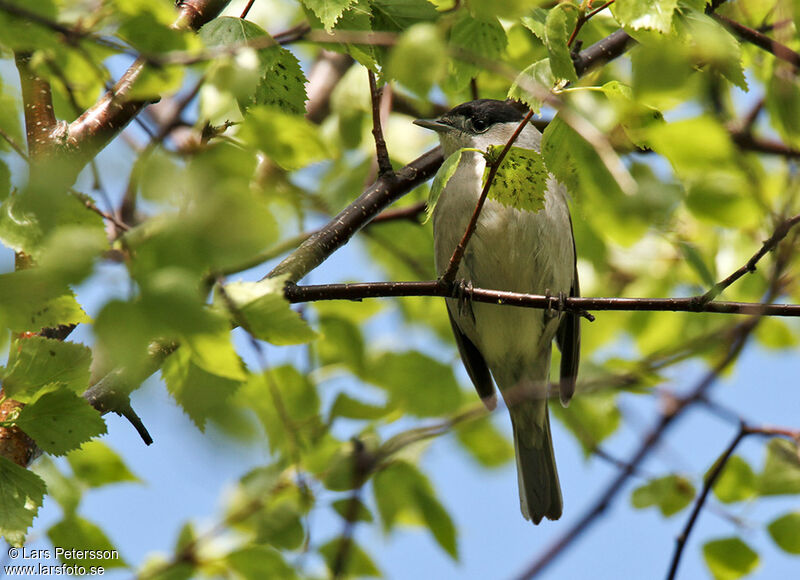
93 130
338 231
37 99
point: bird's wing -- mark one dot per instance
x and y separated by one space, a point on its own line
568 339
474 363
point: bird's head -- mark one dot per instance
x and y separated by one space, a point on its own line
481 123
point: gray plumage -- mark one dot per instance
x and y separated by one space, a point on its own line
518 251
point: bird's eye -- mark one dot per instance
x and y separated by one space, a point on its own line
479 125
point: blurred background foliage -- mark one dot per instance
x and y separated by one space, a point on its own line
227 173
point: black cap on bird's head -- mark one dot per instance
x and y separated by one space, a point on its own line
476 116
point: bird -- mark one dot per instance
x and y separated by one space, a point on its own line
514 250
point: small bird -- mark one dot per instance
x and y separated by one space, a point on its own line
514 250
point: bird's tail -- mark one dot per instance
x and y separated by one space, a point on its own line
539 489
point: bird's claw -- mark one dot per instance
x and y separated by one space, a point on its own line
550 312
464 290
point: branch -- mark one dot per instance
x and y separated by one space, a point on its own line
781 230
340 229
582 304
452 267
382 154
775 48
37 99
711 479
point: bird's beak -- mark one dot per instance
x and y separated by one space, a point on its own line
433 125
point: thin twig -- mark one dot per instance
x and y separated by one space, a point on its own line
247 9
583 18
382 154
710 480
781 230
452 267
14 145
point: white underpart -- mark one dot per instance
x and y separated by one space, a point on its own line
510 250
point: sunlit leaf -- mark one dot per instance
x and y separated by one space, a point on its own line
670 494
785 530
60 421
729 558
21 495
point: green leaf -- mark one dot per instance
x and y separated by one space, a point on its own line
442 177
400 15
65 490
30 302
536 22
509 9
213 351
693 145
521 180
20 34
401 491
257 562
328 11
21 495
484 442
352 510
60 421
408 378
420 43
337 463
786 532
781 473
267 313
279 83
737 482
200 393
358 18
532 83
474 39
592 417
783 101
28 219
36 362
96 465
287 404
290 141
357 562
340 343
81 540
695 260
559 25
347 406
729 558
273 506
670 494
645 14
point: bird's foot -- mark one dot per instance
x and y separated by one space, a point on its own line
464 290
550 312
